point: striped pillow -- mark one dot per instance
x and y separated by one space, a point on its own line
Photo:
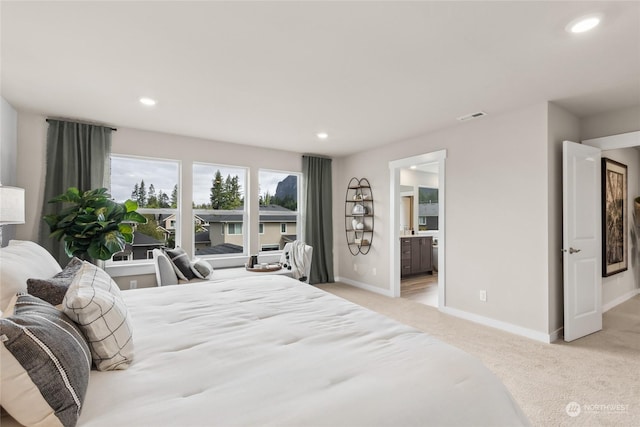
45 364
93 301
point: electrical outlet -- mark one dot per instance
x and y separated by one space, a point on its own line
483 295
355 267
374 271
133 284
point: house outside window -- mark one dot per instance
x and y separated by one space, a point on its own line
152 183
219 210
278 208
428 209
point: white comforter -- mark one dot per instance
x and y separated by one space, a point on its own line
271 351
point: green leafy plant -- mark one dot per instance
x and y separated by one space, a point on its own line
92 225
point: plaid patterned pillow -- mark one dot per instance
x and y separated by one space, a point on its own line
93 301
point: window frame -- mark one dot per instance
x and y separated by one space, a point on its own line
177 211
228 258
298 211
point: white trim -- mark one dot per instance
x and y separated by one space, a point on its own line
366 287
394 219
503 326
623 140
608 306
129 268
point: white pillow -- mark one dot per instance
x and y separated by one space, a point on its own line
202 269
20 261
165 273
94 302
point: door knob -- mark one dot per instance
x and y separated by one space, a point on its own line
571 250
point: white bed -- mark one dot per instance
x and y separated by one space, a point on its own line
269 350
252 351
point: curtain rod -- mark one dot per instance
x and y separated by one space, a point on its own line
84 123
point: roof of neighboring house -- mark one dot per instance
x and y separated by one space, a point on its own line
225 248
140 239
289 237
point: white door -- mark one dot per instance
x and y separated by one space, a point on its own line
581 240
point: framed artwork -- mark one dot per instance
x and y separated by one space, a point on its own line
614 217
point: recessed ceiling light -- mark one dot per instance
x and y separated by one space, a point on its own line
413 167
147 101
322 135
583 24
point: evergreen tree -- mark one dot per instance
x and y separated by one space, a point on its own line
142 195
174 197
135 192
217 192
235 200
152 199
163 200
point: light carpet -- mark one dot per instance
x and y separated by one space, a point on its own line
593 381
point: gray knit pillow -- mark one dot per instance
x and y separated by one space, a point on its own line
52 290
45 364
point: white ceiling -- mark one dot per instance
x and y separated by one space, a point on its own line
275 73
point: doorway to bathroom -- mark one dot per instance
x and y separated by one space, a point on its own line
417 221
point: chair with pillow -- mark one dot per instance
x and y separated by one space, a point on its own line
296 257
173 267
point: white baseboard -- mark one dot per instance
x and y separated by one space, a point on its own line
508 327
374 289
608 306
504 326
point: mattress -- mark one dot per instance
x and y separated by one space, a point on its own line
271 351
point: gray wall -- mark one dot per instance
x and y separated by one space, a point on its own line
497 212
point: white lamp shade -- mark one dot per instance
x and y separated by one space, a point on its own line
11 205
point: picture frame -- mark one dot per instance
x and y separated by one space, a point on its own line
614 218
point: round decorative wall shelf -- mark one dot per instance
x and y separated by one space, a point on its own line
358 216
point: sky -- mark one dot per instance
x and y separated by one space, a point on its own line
163 174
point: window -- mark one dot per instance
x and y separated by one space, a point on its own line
428 208
235 228
279 214
153 184
261 228
219 210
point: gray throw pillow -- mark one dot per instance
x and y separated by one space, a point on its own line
52 290
181 263
201 269
45 364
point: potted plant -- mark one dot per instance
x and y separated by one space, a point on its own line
93 226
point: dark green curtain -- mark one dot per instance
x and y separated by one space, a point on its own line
77 156
318 224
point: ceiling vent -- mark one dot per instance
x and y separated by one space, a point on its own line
472 116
